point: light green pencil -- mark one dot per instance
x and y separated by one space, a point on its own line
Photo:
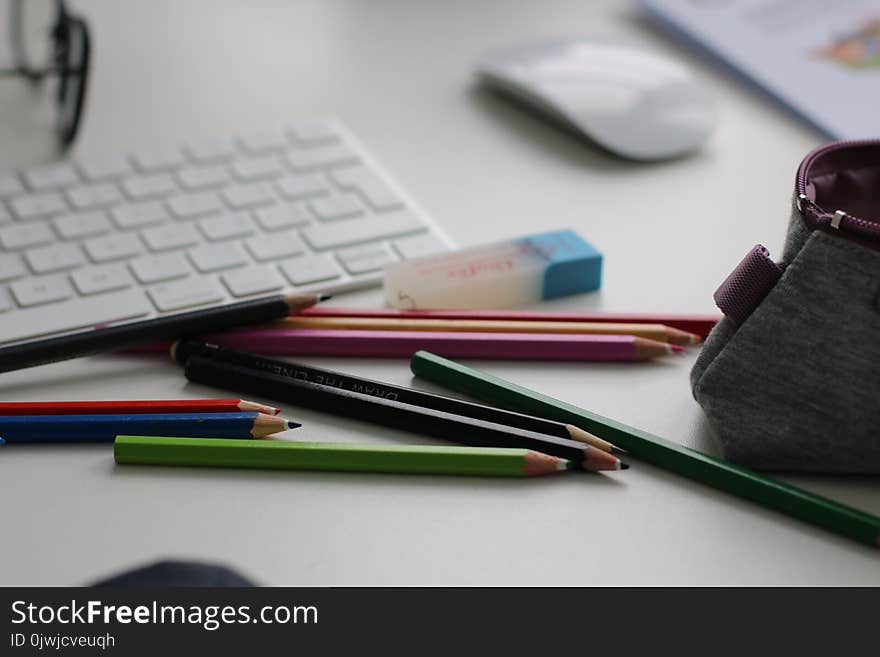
347 457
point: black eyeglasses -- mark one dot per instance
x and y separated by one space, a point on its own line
32 24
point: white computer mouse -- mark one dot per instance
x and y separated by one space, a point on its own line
634 103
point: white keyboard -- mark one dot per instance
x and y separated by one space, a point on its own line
171 229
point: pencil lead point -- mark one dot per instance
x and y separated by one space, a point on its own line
674 348
624 466
293 424
324 297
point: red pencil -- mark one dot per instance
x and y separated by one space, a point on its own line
699 324
135 406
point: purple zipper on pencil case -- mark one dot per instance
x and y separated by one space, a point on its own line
789 379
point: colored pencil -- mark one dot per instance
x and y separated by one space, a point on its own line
184 349
656 332
124 407
403 344
720 474
336 457
392 413
699 324
104 428
120 336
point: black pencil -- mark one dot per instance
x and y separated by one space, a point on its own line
184 349
158 329
393 413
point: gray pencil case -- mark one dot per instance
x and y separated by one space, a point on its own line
790 377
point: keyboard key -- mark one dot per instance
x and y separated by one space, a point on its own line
211 150
309 134
322 157
37 206
37 291
252 280
337 206
374 191
103 278
106 168
310 269
170 236
203 177
113 247
82 224
195 205
81 312
10 186
144 187
334 234
214 257
419 245
226 226
55 257
89 197
363 259
11 266
263 142
157 268
273 247
162 157
279 217
296 187
244 196
21 236
257 168
136 215
51 176
185 293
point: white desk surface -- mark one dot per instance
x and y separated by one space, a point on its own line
399 74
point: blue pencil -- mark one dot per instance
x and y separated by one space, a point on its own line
105 428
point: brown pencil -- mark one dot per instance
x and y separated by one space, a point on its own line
657 332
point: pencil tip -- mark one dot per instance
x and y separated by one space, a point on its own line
324 297
674 348
617 451
624 466
293 424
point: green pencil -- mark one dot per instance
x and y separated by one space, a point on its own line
347 457
739 481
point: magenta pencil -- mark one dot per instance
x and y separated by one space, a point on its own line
403 344
699 324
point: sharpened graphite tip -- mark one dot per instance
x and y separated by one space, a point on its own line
293 424
324 297
624 466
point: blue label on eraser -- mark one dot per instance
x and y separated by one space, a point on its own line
573 265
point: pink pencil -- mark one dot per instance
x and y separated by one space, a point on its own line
699 324
403 344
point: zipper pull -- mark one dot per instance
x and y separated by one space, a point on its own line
747 285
